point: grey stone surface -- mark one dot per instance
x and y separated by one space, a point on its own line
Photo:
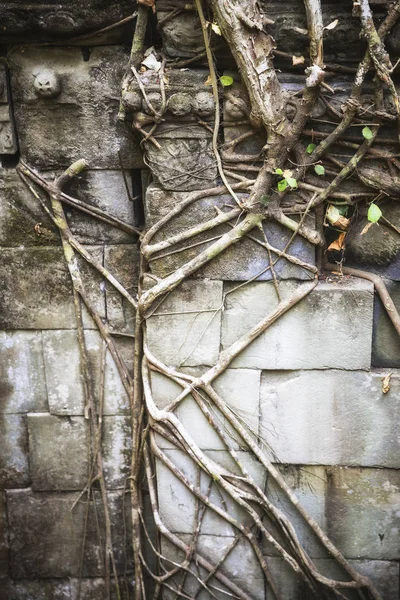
385 341
83 114
46 535
330 329
309 484
241 262
62 362
331 417
182 35
3 538
178 506
36 290
190 336
363 512
22 377
240 566
123 262
14 463
40 589
239 388
59 451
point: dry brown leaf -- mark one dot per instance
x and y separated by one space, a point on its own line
386 383
365 229
338 244
297 60
208 81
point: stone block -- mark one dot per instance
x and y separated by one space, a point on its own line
385 340
123 262
330 329
363 512
22 377
3 539
239 388
331 417
58 95
310 486
59 451
37 289
240 566
62 362
40 589
178 505
14 463
46 535
185 330
245 260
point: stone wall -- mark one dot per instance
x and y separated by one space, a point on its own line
310 387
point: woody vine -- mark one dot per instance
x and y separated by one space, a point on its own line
258 195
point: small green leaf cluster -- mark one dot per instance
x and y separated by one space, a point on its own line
287 181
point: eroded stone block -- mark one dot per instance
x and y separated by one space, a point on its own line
64 385
245 260
46 535
331 417
22 377
123 262
321 332
190 334
58 95
59 451
14 463
363 512
36 290
3 539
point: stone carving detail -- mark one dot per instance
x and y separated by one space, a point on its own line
46 84
8 142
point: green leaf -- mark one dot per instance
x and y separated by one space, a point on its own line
319 169
226 80
264 200
310 148
374 213
292 182
282 185
279 171
367 133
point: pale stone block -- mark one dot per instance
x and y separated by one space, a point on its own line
240 566
364 512
331 417
64 385
59 449
178 505
239 388
22 378
37 289
330 329
14 463
310 486
190 334
46 536
83 113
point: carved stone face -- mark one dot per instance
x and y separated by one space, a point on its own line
180 104
203 104
155 100
133 100
236 107
47 84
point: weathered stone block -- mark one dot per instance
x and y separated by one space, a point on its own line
240 566
331 417
190 334
363 512
310 486
178 505
245 260
22 377
40 589
14 464
385 340
321 332
37 289
239 388
58 95
59 450
64 385
3 539
123 262
47 517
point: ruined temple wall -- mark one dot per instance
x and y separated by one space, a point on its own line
310 387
